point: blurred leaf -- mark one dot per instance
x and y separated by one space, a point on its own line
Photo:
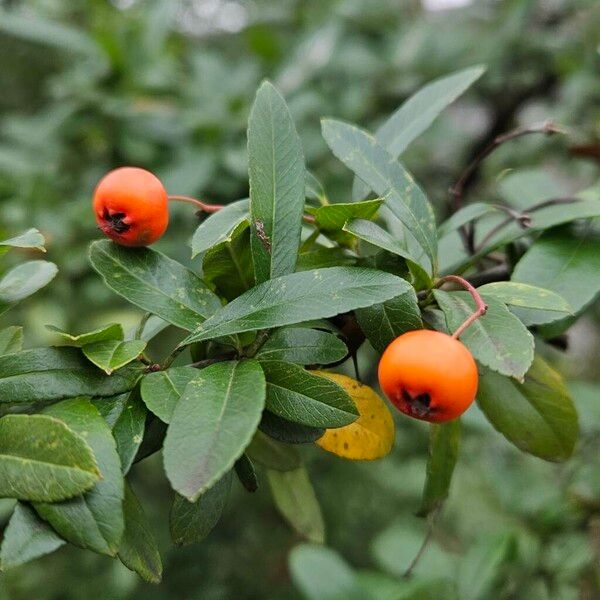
42 459
360 152
418 113
192 522
219 226
299 396
26 538
277 179
372 435
273 454
114 331
113 354
465 215
525 295
497 340
31 238
95 519
155 283
537 415
444 441
244 469
314 189
212 424
295 499
57 373
11 340
138 550
288 432
26 279
299 297
161 391
303 346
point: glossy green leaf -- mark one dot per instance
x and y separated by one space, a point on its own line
299 396
565 264
444 440
321 257
526 295
277 181
138 550
212 424
93 520
219 226
25 279
42 459
26 538
32 238
303 346
244 469
57 373
467 214
191 522
537 416
295 499
11 340
418 113
155 283
272 454
161 391
383 323
497 340
113 354
299 297
288 432
361 152
114 331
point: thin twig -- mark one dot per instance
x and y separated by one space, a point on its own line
202 206
428 535
255 346
480 305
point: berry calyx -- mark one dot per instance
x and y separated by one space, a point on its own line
131 206
428 375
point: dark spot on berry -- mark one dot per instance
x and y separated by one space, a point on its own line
419 404
115 221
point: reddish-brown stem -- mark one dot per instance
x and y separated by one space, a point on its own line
203 206
480 305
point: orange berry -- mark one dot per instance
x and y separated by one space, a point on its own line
131 206
428 375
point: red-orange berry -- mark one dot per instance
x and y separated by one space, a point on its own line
428 375
131 206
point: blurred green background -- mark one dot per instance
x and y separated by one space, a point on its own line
88 85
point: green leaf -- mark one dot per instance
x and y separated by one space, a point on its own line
314 189
322 574
42 459
361 152
418 113
497 340
376 235
525 295
277 181
126 416
57 373
155 283
192 522
212 424
25 279
383 323
303 346
114 331
31 238
300 297
295 499
11 340
537 416
287 432
161 391
95 519
321 257
299 396
565 264
444 440
244 469
272 454
138 550
228 266
465 215
26 538
113 354
219 226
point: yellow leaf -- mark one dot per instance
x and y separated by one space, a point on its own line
371 436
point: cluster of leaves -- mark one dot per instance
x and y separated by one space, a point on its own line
289 282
